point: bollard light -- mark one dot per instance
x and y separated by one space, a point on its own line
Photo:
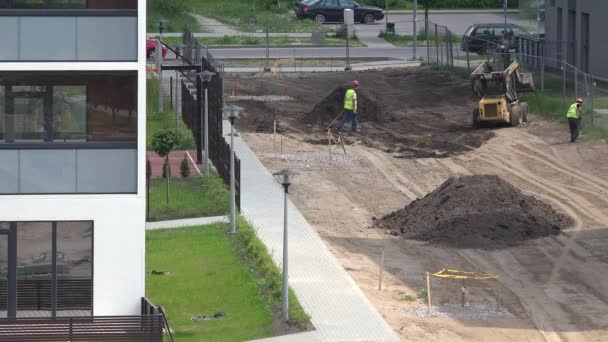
206 77
285 178
231 112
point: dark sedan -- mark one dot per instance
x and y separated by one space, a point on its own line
323 11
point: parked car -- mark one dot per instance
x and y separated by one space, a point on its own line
480 37
151 48
323 11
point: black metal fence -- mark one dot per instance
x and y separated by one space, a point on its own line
192 101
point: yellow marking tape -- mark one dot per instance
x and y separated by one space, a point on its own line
455 274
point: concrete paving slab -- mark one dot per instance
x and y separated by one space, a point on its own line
199 221
339 309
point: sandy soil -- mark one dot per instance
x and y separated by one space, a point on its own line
555 288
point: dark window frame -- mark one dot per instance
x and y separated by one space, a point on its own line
50 5
71 78
12 255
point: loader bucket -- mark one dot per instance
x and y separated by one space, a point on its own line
525 82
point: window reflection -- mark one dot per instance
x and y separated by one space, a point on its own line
74 268
34 269
62 108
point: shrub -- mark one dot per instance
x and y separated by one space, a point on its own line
184 167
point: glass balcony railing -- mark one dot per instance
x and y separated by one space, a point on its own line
68 30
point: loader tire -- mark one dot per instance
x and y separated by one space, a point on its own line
476 121
515 116
524 111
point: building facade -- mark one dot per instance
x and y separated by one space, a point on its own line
574 32
72 157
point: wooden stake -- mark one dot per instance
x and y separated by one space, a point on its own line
428 291
381 269
329 142
285 86
233 88
281 144
274 137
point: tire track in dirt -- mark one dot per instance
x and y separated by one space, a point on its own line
393 175
574 200
555 164
514 279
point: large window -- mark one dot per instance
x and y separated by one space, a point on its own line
69 4
53 107
46 269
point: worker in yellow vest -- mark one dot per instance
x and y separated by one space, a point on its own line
350 108
574 118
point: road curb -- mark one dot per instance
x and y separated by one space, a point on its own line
453 11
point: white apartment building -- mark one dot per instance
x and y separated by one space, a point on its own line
72 157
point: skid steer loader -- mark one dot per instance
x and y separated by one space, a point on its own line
498 92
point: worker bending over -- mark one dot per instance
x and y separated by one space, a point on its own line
350 108
574 118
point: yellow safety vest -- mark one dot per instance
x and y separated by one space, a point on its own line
350 99
573 111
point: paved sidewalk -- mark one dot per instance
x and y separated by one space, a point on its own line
198 221
339 309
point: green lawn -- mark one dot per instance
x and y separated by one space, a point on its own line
207 276
188 197
408 40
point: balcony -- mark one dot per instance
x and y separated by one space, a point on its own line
68 133
146 327
68 30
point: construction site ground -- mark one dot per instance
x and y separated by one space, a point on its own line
550 289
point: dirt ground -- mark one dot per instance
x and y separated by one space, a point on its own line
553 289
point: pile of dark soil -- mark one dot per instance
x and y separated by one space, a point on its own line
475 212
369 108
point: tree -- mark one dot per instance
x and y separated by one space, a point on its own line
163 143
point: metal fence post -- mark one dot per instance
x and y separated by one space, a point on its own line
575 82
159 62
542 73
347 68
589 88
199 116
563 83
171 94
415 4
426 34
436 44
267 60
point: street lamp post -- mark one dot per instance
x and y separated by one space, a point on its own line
161 27
285 177
206 75
232 113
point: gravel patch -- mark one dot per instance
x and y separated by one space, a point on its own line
317 158
468 313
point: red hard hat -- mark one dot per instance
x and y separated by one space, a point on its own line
355 83
579 100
